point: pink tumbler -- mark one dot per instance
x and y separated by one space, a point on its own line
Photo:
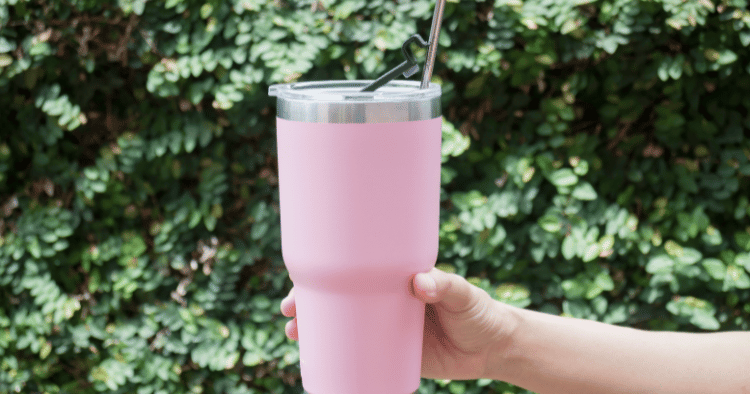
359 190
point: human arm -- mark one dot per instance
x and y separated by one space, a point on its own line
551 354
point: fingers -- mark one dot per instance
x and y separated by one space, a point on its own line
289 309
288 305
451 291
425 285
291 330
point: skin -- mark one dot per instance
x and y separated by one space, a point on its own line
468 335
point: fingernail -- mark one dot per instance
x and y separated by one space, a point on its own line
427 283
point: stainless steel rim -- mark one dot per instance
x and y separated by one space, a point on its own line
357 107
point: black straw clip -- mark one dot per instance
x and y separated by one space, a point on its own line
409 67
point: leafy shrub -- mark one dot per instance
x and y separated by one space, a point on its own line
595 164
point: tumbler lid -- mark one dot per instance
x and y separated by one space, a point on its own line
344 102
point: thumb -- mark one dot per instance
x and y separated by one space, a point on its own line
451 291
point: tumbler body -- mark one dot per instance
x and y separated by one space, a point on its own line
359 207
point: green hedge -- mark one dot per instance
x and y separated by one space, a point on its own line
595 165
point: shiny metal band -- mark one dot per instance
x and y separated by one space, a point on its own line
357 112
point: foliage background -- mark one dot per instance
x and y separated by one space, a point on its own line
595 165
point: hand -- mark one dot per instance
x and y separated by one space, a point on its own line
463 325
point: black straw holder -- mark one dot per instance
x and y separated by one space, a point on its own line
409 67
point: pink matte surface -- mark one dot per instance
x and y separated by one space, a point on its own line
359 206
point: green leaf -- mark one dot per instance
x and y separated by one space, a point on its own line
599 304
577 308
195 218
5 60
584 191
60 245
659 264
743 240
454 143
726 56
64 231
210 222
569 248
6 45
582 168
545 163
743 259
563 177
45 350
261 302
474 87
49 237
736 277
607 242
468 200
689 256
604 281
456 387
685 306
592 252
91 173
258 230
545 129
513 294
673 248
610 43
675 69
745 38
206 10
618 313
191 137
663 71
705 321
94 280
34 248
715 268
550 223
574 288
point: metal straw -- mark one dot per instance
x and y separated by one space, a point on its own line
437 18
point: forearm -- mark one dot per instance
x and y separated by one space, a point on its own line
552 354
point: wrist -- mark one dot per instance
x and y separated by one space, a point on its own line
500 358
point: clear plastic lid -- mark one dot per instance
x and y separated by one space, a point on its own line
350 91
